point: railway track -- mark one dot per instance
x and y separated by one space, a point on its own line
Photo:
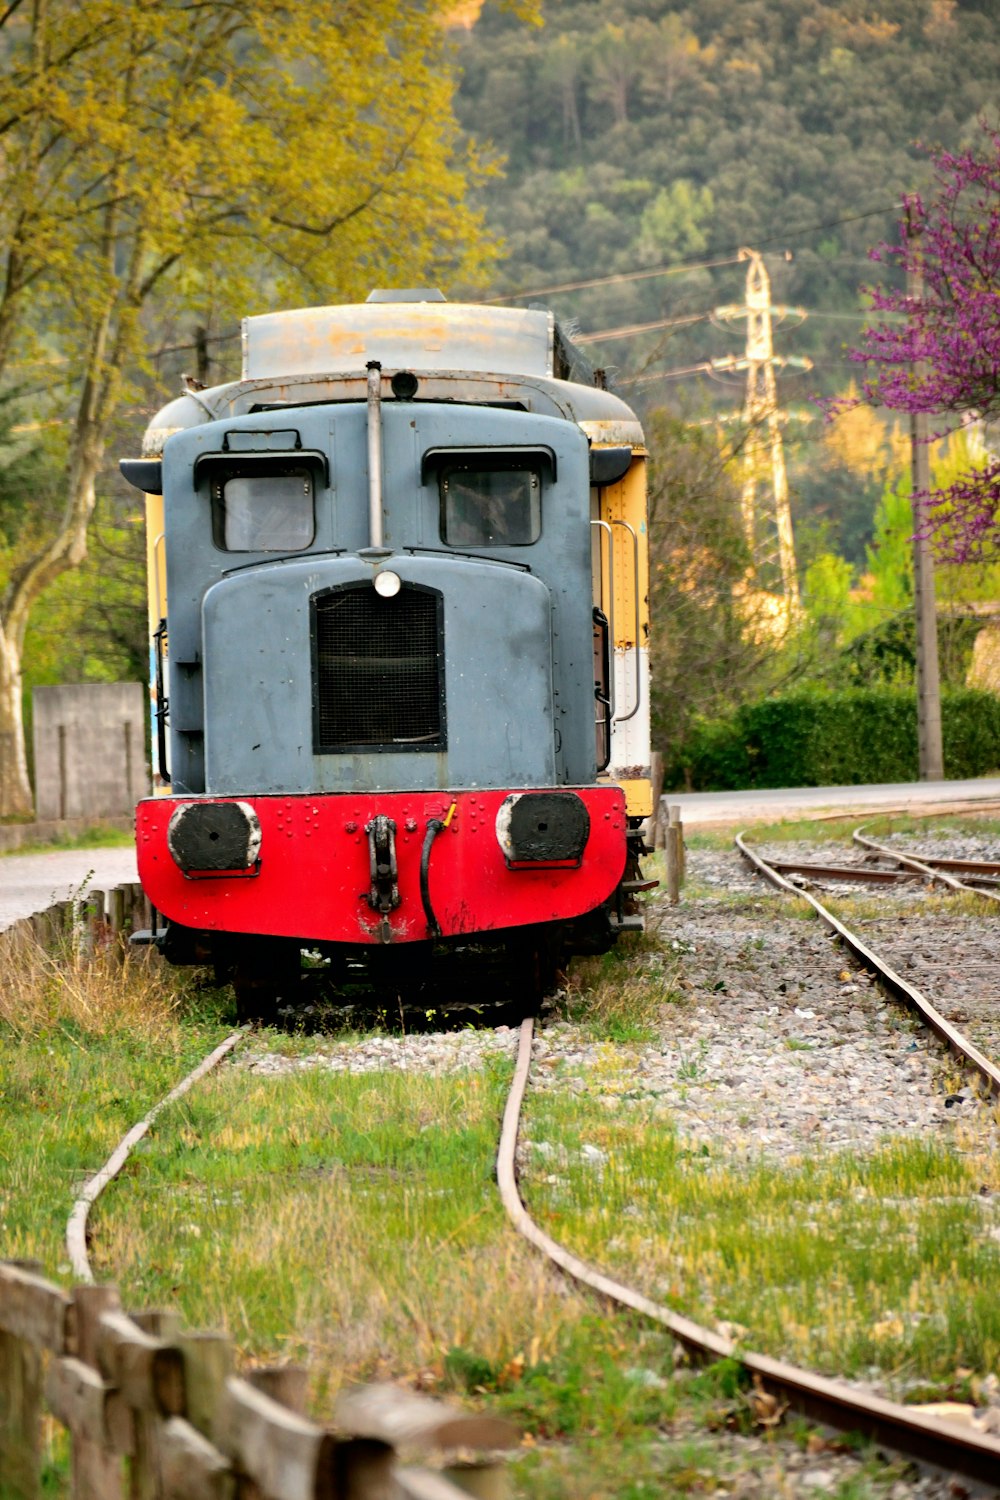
885 865
931 1440
888 977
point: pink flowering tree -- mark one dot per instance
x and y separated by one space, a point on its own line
939 351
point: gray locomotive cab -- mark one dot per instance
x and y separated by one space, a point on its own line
458 654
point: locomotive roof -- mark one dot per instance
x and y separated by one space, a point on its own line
461 352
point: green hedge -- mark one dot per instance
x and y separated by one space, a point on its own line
836 739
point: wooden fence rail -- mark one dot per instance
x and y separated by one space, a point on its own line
153 1413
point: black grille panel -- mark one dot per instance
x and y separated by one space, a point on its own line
377 670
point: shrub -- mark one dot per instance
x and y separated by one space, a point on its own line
842 738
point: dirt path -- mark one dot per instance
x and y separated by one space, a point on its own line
31 882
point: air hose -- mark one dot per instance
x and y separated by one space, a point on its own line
434 827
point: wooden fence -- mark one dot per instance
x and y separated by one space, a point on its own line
94 919
153 1413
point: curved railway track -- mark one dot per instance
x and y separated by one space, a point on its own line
948 1446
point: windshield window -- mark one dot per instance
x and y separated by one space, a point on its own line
490 507
264 512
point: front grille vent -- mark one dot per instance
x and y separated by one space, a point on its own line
378 669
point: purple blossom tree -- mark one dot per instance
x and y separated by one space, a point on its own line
942 356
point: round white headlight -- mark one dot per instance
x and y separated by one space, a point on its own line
387 583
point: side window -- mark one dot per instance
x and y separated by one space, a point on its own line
490 507
263 512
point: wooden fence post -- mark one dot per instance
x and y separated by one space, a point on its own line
20 1417
97 1466
674 821
674 849
34 1316
145 1476
655 818
208 1361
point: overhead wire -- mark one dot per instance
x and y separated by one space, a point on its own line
727 257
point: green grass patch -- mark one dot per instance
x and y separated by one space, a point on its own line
841 1262
85 1049
837 828
879 904
623 995
100 836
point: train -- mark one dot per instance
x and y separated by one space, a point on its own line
399 647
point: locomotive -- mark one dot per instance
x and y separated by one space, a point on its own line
399 648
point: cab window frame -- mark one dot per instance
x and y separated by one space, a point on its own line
443 464
218 469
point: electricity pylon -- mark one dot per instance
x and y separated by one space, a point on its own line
767 520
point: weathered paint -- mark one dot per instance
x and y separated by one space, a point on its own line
312 879
401 336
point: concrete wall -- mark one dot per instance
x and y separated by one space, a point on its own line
90 756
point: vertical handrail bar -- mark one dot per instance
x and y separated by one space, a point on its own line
611 610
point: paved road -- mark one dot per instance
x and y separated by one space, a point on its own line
701 808
31 882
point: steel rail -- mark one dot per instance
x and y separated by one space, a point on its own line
76 1226
932 1440
892 981
862 873
932 869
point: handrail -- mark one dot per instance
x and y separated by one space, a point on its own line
611 611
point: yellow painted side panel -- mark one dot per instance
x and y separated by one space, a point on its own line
626 502
156 603
156 562
638 796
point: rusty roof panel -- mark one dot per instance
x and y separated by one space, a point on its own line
435 336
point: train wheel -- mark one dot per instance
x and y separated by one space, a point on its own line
535 957
266 977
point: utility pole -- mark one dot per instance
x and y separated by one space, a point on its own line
928 676
765 460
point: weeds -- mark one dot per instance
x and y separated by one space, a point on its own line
621 996
114 991
85 1046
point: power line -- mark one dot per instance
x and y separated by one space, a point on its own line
628 330
620 333
575 286
720 258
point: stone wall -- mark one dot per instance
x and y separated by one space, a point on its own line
90 755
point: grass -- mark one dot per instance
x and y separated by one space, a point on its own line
352 1222
839 829
623 995
85 1048
843 1263
880 905
100 836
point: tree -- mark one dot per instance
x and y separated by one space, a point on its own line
710 638
943 355
199 152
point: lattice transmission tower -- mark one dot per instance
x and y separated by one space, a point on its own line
767 519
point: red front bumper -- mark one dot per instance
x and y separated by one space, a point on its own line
312 878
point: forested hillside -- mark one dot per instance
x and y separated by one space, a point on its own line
657 133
